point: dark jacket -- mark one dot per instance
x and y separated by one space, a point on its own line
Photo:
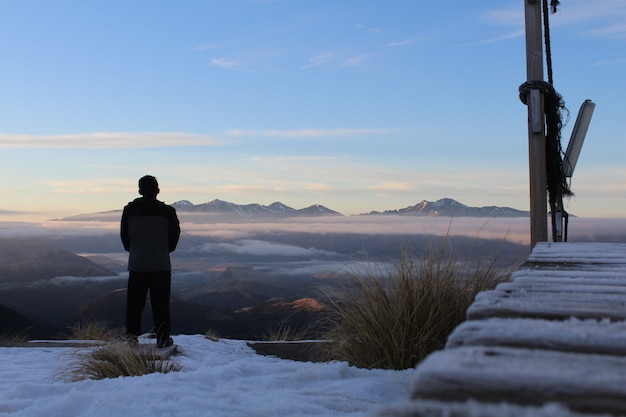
150 231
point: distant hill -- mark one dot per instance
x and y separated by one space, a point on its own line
276 209
222 210
447 207
31 260
13 323
241 303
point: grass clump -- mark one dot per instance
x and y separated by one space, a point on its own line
118 359
393 318
212 335
8 338
283 332
94 330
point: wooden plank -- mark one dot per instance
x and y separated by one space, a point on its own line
583 382
583 336
608 281
304 351
578 253
601 277
576 268
426 408
547 305
560 287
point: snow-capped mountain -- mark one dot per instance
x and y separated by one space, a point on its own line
276 209
448 207
445 207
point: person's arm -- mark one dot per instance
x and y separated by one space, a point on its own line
173 230
124 231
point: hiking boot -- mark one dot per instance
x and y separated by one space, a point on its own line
165 343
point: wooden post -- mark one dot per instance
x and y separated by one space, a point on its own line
536 124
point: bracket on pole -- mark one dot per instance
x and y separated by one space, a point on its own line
536 118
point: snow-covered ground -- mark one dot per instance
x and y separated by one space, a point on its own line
225 378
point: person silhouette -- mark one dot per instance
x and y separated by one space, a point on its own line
150 231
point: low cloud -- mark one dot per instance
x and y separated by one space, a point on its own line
515 230
332 269
262 248
71 280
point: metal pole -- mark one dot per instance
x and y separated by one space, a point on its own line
536 124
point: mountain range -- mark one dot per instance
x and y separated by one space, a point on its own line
445 207
276 209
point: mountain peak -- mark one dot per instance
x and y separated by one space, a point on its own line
448 207
254 210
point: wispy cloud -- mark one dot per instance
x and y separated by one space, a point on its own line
207 46
613 31
610 62
496 39
404 42
589 10
505 17
372 29
393 186
319 60
296 158
225 63
249 58
90 187
109 140
338 132
595 12
313 133
355 60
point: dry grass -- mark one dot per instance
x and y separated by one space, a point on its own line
115 360
212 335
13 338
95 330
283 333
393 319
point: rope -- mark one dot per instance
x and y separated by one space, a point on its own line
554 108
546 30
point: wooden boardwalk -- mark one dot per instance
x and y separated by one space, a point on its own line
552 342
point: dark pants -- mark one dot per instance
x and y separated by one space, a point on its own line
159 285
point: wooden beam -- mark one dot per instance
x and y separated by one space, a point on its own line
536 124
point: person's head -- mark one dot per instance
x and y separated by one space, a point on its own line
148 186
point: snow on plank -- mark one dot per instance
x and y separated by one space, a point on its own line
561 287
426 408
579 253
547 305
583 382
573 335
587 277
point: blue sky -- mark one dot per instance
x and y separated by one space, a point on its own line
357 105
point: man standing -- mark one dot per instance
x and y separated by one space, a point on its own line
150 231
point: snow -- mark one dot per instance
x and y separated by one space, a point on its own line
224 378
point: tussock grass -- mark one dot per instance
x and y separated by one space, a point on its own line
392 319
13 338
212 335
117 359
95 330
283 332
